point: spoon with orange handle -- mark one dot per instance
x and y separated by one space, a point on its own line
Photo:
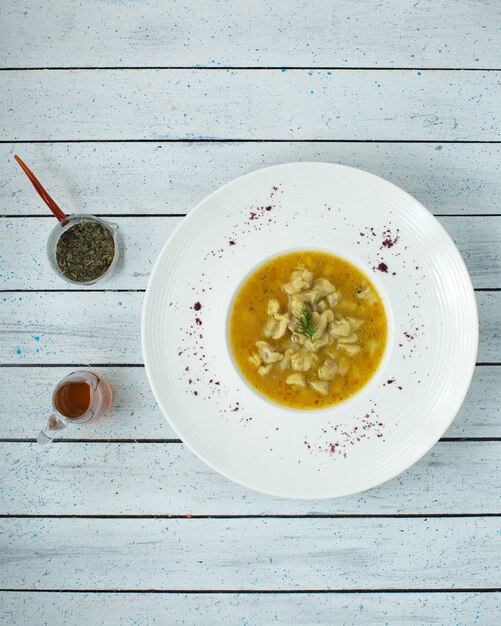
41 191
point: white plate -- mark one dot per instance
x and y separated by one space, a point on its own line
416 391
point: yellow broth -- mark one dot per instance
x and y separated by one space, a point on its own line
249 317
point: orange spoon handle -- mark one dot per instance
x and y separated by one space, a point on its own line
41 191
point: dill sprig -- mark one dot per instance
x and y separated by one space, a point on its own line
305 324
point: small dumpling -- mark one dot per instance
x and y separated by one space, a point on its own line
302 361
305 274
296 379
321 322
322 306
328 370
314 346
270 328
312 296
273 306
281 322
268 353
350 348
300 281
340 328
353 338
355 323
324 286
264 370
255 359
286 360
366 293
333 299
321 386
297 339
296 305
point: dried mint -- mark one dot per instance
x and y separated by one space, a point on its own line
85 251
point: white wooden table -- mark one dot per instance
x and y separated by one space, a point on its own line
136 111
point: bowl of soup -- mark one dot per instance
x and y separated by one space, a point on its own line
307 329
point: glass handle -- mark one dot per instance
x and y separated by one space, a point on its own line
48 433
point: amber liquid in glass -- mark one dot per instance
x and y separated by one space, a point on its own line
82 396
78 398
73 399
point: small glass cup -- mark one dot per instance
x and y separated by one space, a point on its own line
62 227
69 402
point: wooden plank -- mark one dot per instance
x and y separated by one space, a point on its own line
135 414
167 479
481 411
319 33
142 239
70 327
235 554
478 239
481 251
102 609
489 305
233 104
153 178
54 328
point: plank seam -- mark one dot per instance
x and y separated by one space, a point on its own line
178 441
254 68
254 140
251 516
80 290
264 591
168 215
479 364
126 215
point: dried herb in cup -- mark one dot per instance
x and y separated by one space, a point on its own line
85 251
